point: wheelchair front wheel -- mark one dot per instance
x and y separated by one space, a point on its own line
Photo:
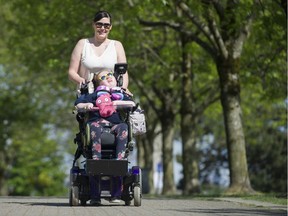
137 196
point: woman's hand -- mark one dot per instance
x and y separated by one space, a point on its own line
128 92
81 81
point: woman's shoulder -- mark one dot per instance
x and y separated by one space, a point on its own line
117 43
85 40
81 42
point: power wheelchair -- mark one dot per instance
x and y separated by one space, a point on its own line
110 174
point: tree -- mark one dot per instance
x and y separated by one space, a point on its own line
145 147
225 29
239 178
265 75
166 113
263 64
34 164
29 157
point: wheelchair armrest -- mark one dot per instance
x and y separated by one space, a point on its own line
123 104
119 104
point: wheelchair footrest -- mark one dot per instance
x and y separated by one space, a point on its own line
107 167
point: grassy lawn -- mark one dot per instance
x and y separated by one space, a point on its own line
279 200
270 198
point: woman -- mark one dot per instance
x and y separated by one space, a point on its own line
91 55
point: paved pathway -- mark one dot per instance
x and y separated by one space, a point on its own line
34 206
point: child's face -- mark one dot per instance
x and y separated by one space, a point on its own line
106 78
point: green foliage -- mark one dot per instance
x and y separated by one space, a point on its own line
265 56
30 159
266 134
35 162
264 100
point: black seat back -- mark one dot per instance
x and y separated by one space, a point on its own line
108 145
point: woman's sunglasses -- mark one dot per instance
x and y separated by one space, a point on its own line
104 77
100 25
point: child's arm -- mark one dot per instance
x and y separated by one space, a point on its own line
87 106
121 103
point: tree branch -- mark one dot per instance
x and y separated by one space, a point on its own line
156 55
244 31
147 95
201 26
218 8
177 27
215 31
213 95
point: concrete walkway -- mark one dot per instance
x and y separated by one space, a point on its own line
43 206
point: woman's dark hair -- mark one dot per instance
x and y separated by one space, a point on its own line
101 14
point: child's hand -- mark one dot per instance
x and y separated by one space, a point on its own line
85 106
89 106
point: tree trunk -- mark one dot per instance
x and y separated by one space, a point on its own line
148 147
146 158
228 70
191 182
169 187
147 142
2 180
3 169
140 152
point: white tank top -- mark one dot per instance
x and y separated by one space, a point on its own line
92 64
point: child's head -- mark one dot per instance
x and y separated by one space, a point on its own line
106 78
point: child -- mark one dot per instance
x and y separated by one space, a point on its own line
106 83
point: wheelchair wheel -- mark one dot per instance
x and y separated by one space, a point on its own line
74 196
137 196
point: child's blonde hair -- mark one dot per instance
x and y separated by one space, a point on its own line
96 81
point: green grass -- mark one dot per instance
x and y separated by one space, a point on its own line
210 192
270 198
